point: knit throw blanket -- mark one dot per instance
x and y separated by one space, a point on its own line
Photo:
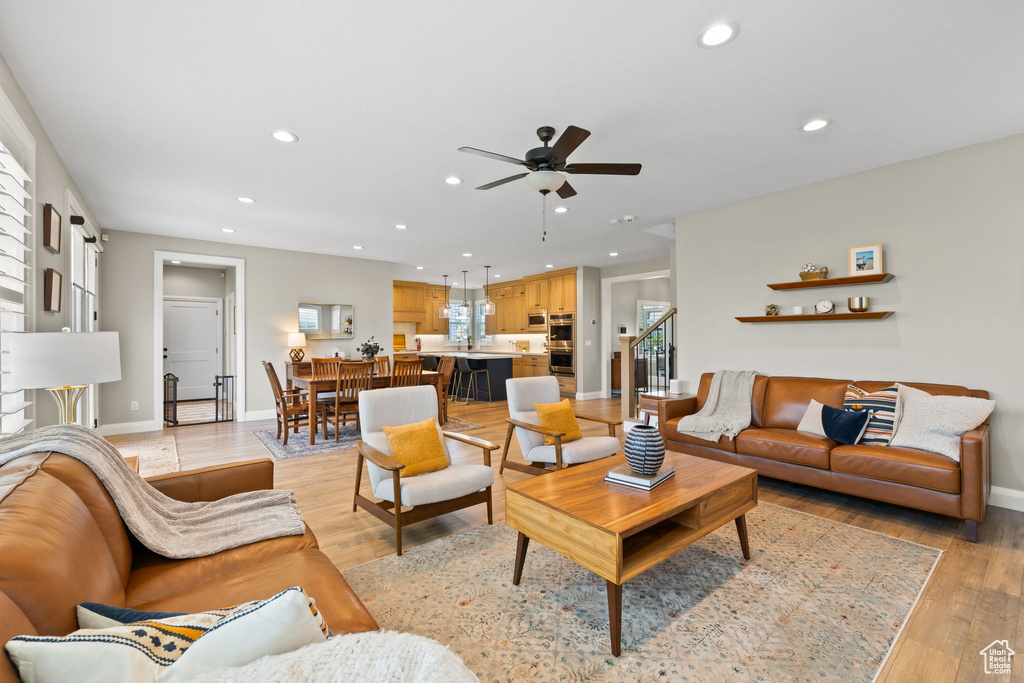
727 410
168 527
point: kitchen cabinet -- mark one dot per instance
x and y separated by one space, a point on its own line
532 366
562 293
409 302
537 293
433 324
434 293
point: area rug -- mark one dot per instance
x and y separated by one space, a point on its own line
299 446
156 456
818 600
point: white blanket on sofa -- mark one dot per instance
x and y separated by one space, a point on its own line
727 410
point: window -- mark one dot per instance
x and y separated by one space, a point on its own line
15 273
481 324
309 319
459 326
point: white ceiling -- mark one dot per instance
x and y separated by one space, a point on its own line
162 113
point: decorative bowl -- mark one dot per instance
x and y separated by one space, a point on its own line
858 304
820 274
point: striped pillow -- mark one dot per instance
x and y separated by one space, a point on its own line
884 405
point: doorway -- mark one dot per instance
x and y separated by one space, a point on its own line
196 329
627 304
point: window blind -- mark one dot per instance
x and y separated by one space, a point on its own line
15 280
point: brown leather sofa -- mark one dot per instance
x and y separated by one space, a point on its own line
62 542
904 476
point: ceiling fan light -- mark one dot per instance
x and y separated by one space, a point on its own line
545 181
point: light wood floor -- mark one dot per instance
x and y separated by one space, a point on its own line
974 597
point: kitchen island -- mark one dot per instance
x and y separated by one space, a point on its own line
498 366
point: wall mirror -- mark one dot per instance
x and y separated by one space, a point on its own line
326 321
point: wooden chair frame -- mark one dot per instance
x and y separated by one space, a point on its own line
339 410
291 405
407 373
392 513
557 436
383 365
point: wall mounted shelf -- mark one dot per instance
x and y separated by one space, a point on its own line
835 282
870 315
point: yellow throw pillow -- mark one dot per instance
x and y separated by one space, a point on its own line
558 417
418 447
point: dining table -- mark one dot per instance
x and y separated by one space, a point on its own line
300 375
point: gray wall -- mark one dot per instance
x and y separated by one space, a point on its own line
588 309
191 281
624 296
635 267
952 230
276 281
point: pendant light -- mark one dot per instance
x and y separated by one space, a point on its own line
445 310
464 309
489 307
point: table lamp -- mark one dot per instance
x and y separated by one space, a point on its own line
296 340
65 364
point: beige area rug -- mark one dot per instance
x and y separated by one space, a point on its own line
156 456
818 600
299 446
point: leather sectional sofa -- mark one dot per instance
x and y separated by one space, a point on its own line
904 476
62 542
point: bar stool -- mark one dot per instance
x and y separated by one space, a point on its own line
430 363
462 369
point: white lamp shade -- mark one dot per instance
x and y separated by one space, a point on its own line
545 180
57 359
296 339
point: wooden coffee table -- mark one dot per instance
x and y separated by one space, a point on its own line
617 531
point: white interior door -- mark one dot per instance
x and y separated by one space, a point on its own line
192 346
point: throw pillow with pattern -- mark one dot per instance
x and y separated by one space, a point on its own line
884 405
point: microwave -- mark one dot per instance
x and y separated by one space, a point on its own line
537 320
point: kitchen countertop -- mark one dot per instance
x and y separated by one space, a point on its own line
479 355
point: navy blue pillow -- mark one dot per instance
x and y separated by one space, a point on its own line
125 615
844 426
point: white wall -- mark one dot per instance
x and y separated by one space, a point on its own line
952 230
624 296
276 281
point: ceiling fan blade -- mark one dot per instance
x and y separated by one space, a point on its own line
566 191
604 169
571 138
492 155
503 181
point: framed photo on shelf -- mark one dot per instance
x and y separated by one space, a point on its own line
866 260
51 228
52 288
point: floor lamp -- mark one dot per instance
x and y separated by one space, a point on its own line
65 364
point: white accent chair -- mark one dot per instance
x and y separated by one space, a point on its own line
424 495
523 393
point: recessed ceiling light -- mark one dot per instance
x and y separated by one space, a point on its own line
467 254
497 277
452 180
614 253
357 247
814 124
247 200
718 34
175 262
284 136
561 209
227 229
419 267
400 226
550 265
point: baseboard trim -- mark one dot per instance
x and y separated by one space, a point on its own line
1011 499
253 415
589 395
130 427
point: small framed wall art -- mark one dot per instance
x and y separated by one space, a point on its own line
51 228
866 260
52 287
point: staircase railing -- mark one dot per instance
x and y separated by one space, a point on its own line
648 362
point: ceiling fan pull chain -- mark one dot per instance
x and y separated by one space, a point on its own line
544 217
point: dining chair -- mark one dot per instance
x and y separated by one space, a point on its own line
383 366
352 379
523 394
407 373
407 500
445 368
291 405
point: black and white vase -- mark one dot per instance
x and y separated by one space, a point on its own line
645 450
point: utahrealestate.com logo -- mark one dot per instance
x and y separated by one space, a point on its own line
998 657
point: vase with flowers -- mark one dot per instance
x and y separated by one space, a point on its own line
369 349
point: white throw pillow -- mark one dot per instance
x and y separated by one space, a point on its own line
936 423
811 421
175 648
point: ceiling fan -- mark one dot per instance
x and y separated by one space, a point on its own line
549 164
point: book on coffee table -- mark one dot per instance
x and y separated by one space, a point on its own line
627 477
